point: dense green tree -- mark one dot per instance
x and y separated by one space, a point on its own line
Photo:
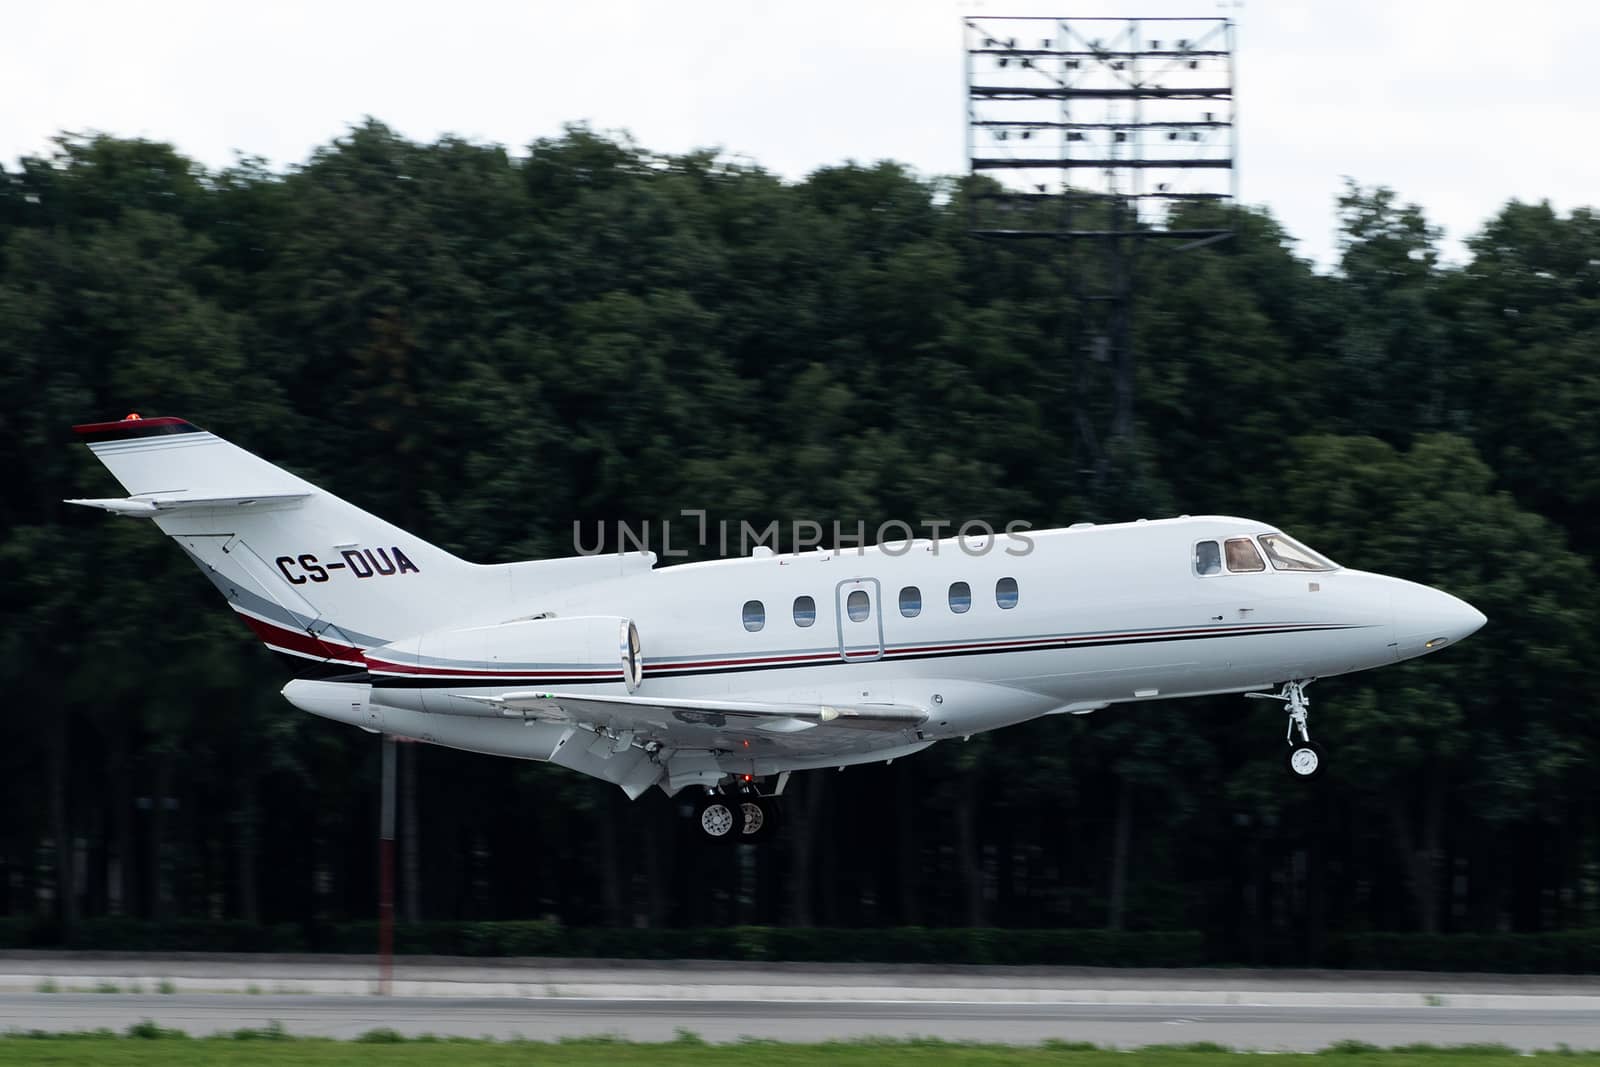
487 345
1528 329
1502 732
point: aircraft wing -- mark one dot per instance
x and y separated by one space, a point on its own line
750 724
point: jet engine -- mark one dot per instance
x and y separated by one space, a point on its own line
542 652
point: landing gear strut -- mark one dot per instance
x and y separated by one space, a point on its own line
1304 758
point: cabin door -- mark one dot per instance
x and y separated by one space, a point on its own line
858 608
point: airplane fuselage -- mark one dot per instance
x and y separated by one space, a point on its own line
719 673
1097 615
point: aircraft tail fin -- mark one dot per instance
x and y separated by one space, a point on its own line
313 575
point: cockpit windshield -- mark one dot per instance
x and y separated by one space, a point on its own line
1287 554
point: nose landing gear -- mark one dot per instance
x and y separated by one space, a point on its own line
1304 759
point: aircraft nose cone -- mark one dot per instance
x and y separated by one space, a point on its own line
1469 622
1427 619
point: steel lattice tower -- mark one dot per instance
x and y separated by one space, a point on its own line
1103 134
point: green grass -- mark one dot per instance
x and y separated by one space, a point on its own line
149 1044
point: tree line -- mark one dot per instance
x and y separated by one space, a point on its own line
486 347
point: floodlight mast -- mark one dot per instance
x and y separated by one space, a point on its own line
1108 133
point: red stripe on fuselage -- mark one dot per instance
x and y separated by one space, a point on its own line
1041 643
383 666
300 641
806 657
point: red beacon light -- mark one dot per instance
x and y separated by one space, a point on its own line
132 416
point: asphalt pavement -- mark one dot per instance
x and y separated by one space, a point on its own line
653 1001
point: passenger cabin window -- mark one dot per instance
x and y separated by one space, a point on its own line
1005 592
1207 558
805 611
755 616
1287 554
960 597
857 605
1242 555
911 602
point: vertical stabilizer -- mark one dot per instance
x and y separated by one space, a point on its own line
313 575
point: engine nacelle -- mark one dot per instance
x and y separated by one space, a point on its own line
529 652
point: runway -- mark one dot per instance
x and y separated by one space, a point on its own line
652 1001
1245 1027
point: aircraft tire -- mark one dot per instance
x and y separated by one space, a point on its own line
1305 761
719 818
760 819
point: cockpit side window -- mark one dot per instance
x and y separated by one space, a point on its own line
1207 558
1242 555
1287 554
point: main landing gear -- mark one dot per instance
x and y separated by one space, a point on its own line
1304 758
738 815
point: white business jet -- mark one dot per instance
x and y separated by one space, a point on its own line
728 675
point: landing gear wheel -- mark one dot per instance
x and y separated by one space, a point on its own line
719 818
1305 760
760 818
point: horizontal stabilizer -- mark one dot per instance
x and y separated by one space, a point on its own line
148 505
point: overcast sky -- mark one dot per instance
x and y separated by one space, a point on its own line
1460 105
